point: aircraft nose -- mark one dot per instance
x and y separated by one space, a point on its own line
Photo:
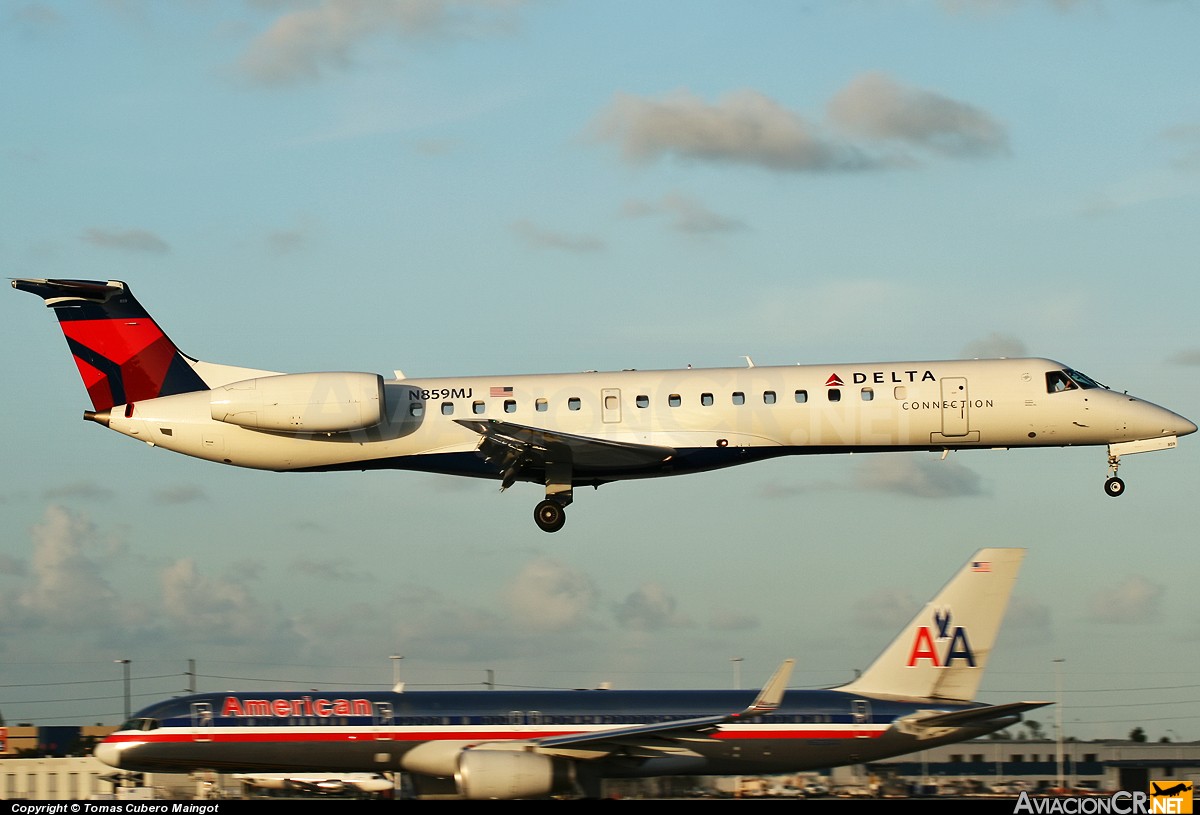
109 753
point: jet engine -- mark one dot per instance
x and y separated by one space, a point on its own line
505 774
330 402
487 771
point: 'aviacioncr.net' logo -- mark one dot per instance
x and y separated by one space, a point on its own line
940 644
1171 797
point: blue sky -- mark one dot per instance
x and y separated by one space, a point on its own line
503 187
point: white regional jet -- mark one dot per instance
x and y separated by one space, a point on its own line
528 743
569 430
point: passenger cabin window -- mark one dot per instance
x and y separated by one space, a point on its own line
477 407
1058 381
574 403
674 400
642 400
901 392
706 399
801 397
739 398
541 405
510 405
834 394
768 397
868 394
447 408
416 409
611 403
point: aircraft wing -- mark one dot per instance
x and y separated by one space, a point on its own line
503 441
666 736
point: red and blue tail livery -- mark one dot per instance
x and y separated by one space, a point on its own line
122 354
562 431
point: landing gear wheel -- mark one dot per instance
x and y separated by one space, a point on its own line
550 516
1114 486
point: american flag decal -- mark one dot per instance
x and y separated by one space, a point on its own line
981 566
505 391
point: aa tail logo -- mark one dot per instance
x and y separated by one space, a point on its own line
941 645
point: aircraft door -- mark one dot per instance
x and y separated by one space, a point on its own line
610 405
954 407
860 714
202 721
383 718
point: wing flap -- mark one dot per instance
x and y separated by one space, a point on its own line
582 452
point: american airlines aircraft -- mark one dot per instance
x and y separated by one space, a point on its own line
582 429
521 744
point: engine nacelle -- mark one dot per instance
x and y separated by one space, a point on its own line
327 402
506 774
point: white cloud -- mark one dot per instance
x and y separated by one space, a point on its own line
129 240
650 608
995 345
66 587
688 214
873 123
1133 600
745 127
304 45
546 594
921 476
206 609
542 238
877 107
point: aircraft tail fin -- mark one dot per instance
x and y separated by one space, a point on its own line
942 653
122 354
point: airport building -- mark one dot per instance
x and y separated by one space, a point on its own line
1105 765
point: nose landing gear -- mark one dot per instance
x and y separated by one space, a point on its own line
1112 485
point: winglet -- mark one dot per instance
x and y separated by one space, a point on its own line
771 695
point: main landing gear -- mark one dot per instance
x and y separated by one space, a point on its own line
551 514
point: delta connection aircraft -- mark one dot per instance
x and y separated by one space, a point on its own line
569 430
519 744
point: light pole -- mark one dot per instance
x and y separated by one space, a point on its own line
737 672
124 663
1058 717
395 658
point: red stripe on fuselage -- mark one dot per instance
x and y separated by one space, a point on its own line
329 735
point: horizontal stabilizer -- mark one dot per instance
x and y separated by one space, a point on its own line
977 715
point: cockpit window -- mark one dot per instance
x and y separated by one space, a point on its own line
1058 381
1083 380
141 724
1069 380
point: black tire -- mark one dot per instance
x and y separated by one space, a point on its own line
1114 487
550 516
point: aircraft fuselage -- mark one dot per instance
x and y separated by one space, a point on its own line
710 417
